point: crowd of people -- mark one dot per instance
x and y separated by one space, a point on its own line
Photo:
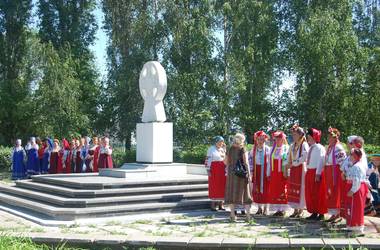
304 175
51 156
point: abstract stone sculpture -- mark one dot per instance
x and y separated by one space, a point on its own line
153 84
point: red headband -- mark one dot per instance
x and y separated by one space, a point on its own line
316 134
279 134
258 134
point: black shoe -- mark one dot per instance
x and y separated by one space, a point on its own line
313 216
279 214
321 217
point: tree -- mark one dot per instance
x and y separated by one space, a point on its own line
72 24
14 18
133 29
58 95
191 69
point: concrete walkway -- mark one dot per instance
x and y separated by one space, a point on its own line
194 230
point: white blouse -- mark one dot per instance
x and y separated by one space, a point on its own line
298 157
316 157
356 175
215 154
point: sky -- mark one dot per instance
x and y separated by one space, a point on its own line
100 46
100 50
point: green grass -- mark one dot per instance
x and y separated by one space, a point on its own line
20 243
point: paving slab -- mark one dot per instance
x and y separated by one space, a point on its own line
205 242
111 240
369 243
172 241
272 242
306 242
238 243
79 239
140 240
48 238
341 243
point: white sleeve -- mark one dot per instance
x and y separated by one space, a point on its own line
321 154
340 155
209 158
11 158
109 151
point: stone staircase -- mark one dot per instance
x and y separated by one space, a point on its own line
73 196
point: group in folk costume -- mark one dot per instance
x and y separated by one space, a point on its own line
334 158
18 159
356 192
260 168
278 196
315 184
216 173
297 157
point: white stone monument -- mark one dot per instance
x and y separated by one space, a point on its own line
154 136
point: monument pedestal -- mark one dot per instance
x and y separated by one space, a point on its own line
154 142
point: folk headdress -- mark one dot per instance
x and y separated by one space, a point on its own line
280 134
315 133
298 129
258 134
334 132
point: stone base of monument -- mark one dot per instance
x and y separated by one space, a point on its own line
163 170
67 197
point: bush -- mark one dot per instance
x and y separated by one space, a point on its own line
120 156
371 149
5 158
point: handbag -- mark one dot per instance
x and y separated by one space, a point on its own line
240 170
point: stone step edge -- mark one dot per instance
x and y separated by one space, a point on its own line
199 242
88 193
61 213
72 184
83 202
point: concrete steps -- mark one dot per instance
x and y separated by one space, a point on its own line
63 213
89 193
72 196
100 201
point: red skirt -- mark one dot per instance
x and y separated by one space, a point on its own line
295 184
68 164
278 185
345 187
333 185
96 158
260 196
315 193
355 206
105 161
217 181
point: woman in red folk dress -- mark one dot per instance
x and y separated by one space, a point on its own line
297 164
78 158
335 156
55 159
260 167
278 196
216 173
105 154
96 149
357 193
315 183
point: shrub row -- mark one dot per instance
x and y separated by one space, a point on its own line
195 155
